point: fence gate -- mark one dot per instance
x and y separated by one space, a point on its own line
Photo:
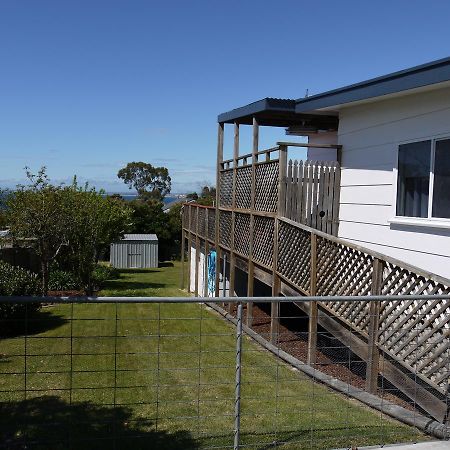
312 194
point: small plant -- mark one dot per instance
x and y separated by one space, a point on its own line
61 280
101 273
17 281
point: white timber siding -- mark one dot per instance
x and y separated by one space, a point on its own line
322 154
201 271
370 135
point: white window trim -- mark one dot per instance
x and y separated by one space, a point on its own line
428 222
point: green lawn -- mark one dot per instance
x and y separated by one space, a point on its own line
162 377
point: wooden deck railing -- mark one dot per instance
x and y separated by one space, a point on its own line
410 336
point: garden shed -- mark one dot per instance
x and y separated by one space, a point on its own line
135 251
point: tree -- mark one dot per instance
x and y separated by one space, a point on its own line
192 196
39 214
207 196
150 182
67 223
96 222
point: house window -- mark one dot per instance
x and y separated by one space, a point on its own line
423 185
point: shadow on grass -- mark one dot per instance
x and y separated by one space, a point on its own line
117 285
122 271
33 323
49 423
165 264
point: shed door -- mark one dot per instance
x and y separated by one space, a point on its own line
134 256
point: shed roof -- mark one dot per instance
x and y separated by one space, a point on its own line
140 237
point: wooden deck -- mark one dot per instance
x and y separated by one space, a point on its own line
406 341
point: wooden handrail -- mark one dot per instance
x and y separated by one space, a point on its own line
301 144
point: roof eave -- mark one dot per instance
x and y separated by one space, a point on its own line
405 80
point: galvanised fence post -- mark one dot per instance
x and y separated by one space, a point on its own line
237 392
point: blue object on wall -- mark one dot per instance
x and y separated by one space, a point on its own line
211 273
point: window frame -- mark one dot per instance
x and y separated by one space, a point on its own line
429 221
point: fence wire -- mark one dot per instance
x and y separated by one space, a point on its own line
115 373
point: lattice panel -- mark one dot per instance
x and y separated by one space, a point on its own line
186 217
263 231
193 226
202 222
242 233
212 224
416 332
294 255
243 187
226 188
266 186
225 228
343 270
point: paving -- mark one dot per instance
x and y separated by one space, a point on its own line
432 445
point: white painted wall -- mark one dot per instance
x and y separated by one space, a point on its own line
370 135
192 270
201 271
322 154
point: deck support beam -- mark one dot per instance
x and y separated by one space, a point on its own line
251 266
313 311
373 356
276 284
183 251
197 253
220 133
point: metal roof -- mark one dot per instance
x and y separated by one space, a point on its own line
288 112
275 112
140 237
415 77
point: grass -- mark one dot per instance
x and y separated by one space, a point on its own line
162 377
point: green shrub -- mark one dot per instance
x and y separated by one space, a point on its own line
17 281
61 280
101 273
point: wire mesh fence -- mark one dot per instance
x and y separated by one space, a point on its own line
174 374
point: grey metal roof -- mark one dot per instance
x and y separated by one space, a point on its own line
403 80
4 233
287 112
274 112
140 237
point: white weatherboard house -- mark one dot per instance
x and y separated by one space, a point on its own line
394 133
135 251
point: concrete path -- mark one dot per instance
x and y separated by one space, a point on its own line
434 445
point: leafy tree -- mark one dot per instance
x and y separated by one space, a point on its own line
149 217
207 196
150 182
192 196
39 214
96 222
67 224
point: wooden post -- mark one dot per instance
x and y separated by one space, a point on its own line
217 230
189 250
313 312
205 284
276 283
251 267
182 253
233 214
373 354
197 252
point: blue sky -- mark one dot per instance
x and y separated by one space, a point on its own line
87 86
